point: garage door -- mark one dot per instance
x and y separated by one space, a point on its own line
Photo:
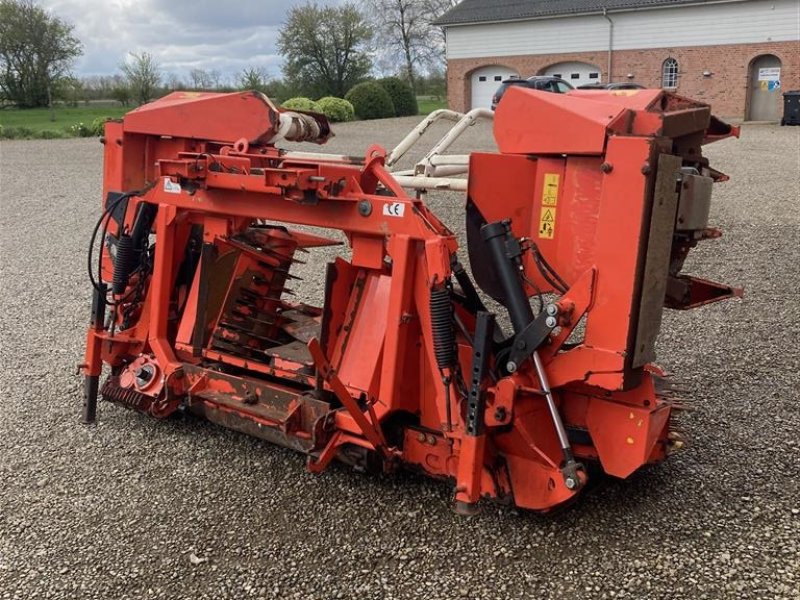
485 82
575 73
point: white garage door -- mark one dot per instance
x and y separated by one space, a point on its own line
575 73
485 82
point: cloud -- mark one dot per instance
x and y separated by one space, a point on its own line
227 36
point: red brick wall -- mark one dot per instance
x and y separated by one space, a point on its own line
725 90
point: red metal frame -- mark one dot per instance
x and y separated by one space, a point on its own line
357 379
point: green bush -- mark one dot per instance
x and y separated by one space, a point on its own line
403 98
99 125
301 103
51 134
370 101
336 109
81 130
17 133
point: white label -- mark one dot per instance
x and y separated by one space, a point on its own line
769 74
394 209
171 187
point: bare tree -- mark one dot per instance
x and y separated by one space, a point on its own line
253 79
406 29
143 76
200 79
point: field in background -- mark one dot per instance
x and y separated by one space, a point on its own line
64 122
428 104
60 121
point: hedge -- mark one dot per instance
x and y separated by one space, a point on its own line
370 101
403 98
336 109
301 103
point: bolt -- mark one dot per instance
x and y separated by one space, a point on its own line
646 169
511 366
500 414
606 167
421 437
365 208
520 344
570 483
552 310
551 322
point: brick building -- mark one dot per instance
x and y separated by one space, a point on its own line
737 55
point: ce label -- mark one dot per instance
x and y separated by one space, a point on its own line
394 209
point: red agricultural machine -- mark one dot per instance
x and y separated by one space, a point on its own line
578 228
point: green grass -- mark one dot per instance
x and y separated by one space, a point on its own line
428 104
45 123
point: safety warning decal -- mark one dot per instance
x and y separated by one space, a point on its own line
547 222
550 190
547 217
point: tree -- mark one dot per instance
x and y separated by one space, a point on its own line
143 76
325 49
253 79
200 79
407 33
36 51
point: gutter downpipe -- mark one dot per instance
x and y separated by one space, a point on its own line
610 41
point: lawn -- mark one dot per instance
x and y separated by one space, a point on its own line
61 121
428 104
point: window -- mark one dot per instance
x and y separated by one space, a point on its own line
557 75
669 73
562 87
498 78
575 76
594 75
482 78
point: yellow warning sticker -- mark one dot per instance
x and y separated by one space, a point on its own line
547 222
550 190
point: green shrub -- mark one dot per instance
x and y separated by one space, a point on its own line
370 101
301 103
99 125
403 98
51 134
81 130
17 133
336 109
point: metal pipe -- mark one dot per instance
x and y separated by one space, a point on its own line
610 41
416 133
450 159
446 170
320 156
431 183
467 120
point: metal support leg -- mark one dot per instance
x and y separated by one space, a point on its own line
93 365
473 442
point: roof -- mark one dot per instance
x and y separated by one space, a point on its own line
481 11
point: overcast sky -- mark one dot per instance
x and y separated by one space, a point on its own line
227 35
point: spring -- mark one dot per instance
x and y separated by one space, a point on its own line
124 263
444 336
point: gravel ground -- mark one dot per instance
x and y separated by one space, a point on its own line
118 510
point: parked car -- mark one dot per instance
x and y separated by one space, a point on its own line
619 85
545 83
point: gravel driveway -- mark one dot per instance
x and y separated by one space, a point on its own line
134 508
